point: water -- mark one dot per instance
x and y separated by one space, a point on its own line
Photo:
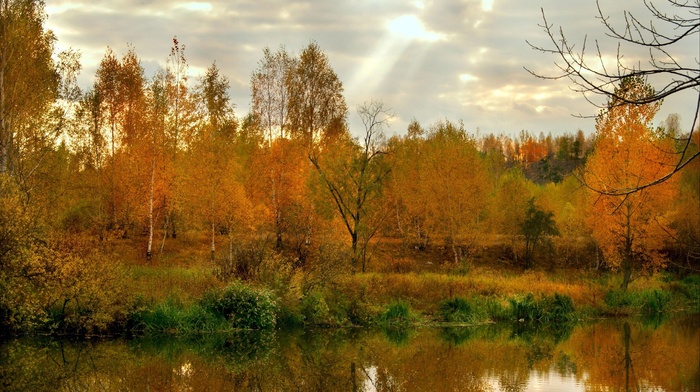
610 356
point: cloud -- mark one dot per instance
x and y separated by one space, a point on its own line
429 60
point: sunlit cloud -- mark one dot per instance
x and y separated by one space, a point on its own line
410 27
195 6
487 5
466 78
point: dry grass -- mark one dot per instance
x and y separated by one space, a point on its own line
425 290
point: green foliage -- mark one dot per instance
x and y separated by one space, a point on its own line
525 309
618 299
654 302
456 310
689 287
315 310
244 306
557 309
169 317
537 226
396 314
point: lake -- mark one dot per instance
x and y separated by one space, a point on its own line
610 355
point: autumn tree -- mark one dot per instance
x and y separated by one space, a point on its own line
354 175
316 104
29 86
404 188
210 158
630 227
269 85
668 68
180 117
454 186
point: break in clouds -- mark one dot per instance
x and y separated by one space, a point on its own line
428 60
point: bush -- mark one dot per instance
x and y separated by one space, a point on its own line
315 309
618 299
456 310
559 308
397 313
525 309
244 306
654 302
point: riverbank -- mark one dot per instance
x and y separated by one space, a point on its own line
181 292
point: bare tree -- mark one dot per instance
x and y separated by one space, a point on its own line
589 75
354 175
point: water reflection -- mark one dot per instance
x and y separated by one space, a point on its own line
610 355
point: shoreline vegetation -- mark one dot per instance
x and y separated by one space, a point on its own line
182 297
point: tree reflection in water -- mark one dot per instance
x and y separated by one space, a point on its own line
603 356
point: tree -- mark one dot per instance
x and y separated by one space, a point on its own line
677 22
537 227
210 155
354 175
405 187
316 104
29 86
631 227
270 90
453 186
180 118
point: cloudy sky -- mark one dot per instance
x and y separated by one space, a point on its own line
428 60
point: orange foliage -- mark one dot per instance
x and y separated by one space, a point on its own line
630 229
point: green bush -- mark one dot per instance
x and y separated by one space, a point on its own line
315 309
456 310
559 308
397 313
172 318
244 306
495 310
618 299
654 302
525 309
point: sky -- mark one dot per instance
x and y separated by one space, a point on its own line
425 60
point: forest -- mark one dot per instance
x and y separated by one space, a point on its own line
147 202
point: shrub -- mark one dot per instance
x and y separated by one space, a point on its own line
456 310
315 309
559 308
397 313
525 309
244 306
654 302
618 299
164 317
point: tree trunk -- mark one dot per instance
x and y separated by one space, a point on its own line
230 248
4 131
150 211
627 261
628 357
355 256
213 243
626 272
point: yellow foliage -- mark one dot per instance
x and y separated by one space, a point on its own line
630 228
